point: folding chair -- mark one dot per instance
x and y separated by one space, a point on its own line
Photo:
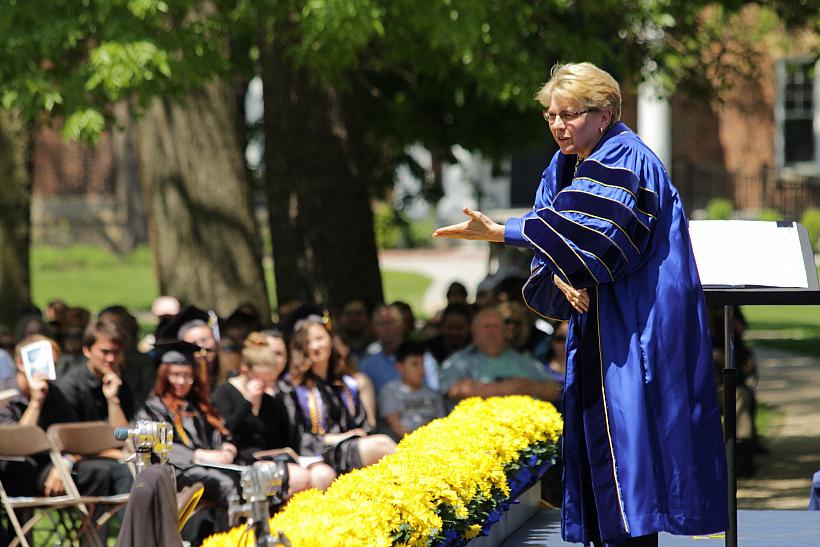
18 441
187 501
85 439
7 395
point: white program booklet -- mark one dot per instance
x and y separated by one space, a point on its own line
741 253
38 358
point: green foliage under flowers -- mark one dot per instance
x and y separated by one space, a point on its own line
811 220
719 209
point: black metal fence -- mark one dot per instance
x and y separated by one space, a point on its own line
790 194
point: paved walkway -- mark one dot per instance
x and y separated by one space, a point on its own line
790 384
466 263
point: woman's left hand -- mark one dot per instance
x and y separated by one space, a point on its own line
578 299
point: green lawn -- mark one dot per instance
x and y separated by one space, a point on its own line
95 278
794 328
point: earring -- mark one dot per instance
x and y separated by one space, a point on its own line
601 130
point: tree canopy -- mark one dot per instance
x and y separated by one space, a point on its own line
369 77
75 59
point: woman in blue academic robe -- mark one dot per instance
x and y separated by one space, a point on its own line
642 446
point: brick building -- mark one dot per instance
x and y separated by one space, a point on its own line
87 194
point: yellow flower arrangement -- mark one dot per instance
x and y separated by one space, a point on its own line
446 475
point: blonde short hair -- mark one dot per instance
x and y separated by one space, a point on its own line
584 83
255 352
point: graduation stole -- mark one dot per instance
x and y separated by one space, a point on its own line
310 397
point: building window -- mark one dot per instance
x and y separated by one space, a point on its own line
796 103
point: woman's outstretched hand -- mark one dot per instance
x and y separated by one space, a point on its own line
479 226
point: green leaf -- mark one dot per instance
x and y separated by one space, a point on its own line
85 125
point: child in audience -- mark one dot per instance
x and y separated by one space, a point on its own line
407 404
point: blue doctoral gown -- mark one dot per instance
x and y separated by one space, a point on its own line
642 444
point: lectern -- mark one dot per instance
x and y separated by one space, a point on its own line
750 263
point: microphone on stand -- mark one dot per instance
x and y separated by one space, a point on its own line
148 437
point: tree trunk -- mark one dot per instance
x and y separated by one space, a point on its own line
15 217
200 205
129 189
321 220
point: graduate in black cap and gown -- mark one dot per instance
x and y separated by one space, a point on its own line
198 327
200 437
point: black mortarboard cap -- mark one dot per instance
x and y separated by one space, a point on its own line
288 322
245 314
169 330
175 352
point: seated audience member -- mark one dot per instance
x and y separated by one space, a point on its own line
521 334
193 325
7 339
200 436
244 320
456 293
354 328
748 443
408 320
230 355
485 297
31 322
7 371
137 368
164 308
509 287
407 404
33 405
380 366
348 366
54 313
72 326
325 406
455 332
96 392
255 414
41 403
557 366
487 368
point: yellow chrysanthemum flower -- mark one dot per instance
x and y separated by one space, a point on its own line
399 500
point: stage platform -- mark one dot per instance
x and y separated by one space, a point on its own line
755 529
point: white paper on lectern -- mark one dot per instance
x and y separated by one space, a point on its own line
748 253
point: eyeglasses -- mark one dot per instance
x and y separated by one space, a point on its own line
566 116
183 378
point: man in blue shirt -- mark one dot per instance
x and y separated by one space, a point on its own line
487 368
380 366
